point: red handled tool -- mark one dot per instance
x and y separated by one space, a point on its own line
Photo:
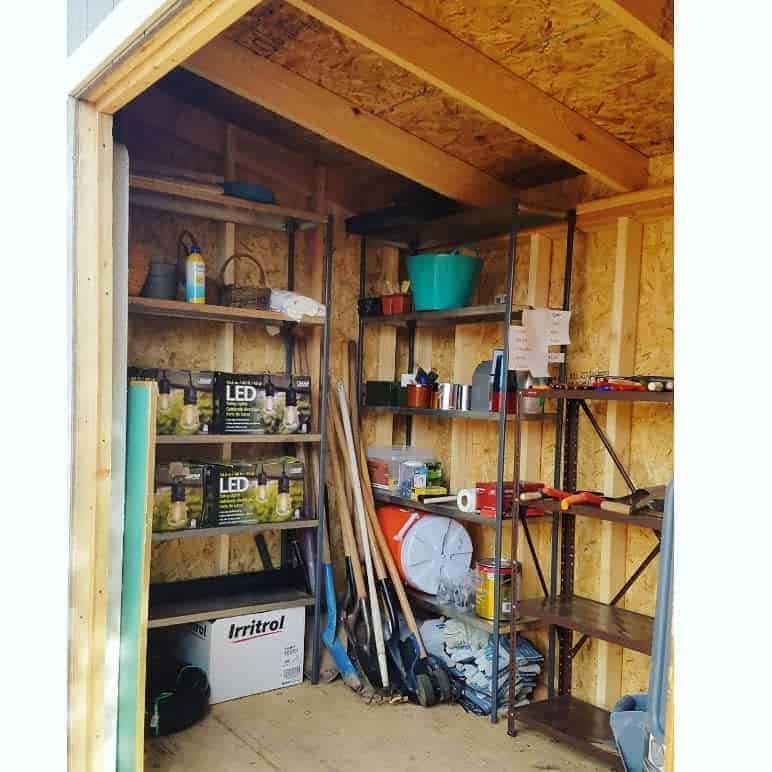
554 493
582 497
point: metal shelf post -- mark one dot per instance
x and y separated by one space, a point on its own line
502 445
320 498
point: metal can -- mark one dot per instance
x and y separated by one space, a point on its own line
463 396
447 396
486 586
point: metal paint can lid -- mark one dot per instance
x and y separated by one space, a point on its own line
488 565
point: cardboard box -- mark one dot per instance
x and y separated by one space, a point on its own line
248 654
264 403
269 491
179 500
185 399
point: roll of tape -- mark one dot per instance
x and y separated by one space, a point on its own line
466 500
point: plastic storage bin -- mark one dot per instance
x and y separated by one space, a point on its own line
384 461
443 281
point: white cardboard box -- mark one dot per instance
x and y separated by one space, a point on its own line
247 654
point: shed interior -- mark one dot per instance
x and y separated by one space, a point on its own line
284 98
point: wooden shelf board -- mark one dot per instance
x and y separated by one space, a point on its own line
229 530
598 620
245 439
217 606
573 721
201 200
645 518
429 603
177 309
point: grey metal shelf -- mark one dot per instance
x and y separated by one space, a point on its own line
446 510
465 315
601 396
429 603
468 415
464 227
230 530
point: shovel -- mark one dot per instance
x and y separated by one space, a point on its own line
354 616
329 634
428 676
352 464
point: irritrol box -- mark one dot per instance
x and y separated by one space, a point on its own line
248 654
265 403
243 492
184 399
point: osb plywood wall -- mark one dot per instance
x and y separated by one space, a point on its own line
652 428
468 449
191 344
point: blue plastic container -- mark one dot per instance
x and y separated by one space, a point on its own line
443 281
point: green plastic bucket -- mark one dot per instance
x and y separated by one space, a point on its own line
443 281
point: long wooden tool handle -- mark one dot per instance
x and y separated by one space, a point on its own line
391 566
383 545
346 526
380 570
375 609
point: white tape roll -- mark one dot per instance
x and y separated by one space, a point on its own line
466 500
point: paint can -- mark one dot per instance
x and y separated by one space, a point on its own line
486 585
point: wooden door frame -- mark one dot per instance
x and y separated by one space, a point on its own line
135 47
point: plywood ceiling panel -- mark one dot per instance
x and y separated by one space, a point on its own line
577 54
308 48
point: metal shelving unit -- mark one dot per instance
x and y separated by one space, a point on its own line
230 530
262 591
465 227
562 715
468 415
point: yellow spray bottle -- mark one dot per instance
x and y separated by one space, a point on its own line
195 276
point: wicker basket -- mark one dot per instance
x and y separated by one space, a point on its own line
241 296
139 265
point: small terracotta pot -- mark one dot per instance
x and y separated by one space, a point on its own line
419 395
399 304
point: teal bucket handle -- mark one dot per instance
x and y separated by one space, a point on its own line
473 248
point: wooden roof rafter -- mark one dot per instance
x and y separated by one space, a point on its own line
431 53
263 82
650 20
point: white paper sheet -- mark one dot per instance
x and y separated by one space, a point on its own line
527 352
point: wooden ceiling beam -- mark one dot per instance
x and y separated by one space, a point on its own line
163 49
252 77
647 19
414 43
267 162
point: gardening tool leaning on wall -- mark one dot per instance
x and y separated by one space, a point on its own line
354 613
330 632
352 464
426 675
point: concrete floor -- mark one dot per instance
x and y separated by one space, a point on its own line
326 727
